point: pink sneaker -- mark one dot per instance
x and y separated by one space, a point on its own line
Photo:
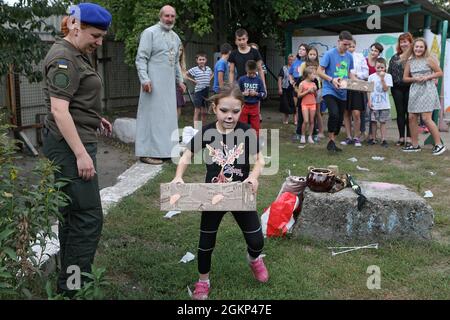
259 270
201 291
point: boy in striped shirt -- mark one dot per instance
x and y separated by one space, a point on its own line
201 77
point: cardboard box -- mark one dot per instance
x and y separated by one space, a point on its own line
235 196
357 85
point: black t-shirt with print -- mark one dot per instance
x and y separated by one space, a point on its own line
240 59
227 156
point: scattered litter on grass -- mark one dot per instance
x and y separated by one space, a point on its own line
352 159
378 158
187 257
189 292
432 173
302 146
362 169
170 214
428 194
348 249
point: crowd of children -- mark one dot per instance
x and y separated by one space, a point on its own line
305 84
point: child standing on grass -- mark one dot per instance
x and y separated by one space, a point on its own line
378 100
307 91
312 60
252 87
230 144
221 68
202 75
421 70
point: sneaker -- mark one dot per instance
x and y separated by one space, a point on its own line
302 139
316 139
201 291
438 149
347 142
371 142
310 139
362 137
331 146
384 144
357 142
321 136
411 148
259 270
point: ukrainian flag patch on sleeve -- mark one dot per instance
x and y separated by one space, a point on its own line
63 64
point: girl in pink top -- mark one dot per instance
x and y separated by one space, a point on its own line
307 91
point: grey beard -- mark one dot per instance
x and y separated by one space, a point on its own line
166 27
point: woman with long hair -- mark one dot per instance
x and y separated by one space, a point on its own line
400 90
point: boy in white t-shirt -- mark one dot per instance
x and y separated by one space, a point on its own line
378 100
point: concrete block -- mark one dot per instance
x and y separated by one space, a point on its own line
124 129
391 212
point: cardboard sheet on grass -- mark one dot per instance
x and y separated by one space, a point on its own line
235 196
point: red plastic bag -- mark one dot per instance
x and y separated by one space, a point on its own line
278 219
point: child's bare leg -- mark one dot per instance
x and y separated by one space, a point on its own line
383 130
197 112
295 110
373 124
356 114
312 114
204 113
319 119
204 276
413 128
426 117
305 113
347 123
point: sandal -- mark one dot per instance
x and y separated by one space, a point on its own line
149 160
400 143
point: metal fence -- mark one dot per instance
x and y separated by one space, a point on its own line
121 84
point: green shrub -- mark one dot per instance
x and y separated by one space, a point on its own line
27 213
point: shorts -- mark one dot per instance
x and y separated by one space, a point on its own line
323 106
381 116
356 100
200 98
309 106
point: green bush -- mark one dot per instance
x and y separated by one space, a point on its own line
27 213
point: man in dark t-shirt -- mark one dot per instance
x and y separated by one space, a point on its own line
238 58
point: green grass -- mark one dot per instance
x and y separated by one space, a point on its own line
141 249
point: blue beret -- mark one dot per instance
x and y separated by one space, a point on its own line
92 14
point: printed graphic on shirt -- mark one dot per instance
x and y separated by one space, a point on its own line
341 70
226 158
251 86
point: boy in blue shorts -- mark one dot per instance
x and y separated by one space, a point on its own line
221 70
201 77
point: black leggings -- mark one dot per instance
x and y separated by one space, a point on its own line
336 109
249 223
401 97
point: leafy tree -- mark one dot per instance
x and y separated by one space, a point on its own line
20 44
262 19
